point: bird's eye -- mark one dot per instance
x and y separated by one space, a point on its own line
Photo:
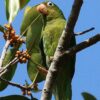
50 4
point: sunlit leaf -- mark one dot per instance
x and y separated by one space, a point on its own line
15 97
88 96
12 8
25 24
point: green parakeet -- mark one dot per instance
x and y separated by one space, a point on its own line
55 23
32 26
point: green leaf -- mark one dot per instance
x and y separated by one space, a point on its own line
23 3
12 8
31 16
24 27
32 67
88 96
15 97
34 35
8 76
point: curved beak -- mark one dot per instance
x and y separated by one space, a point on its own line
42 9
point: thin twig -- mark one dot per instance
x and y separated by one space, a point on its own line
81 33
42 70
5 69
4 52
16 85
9 64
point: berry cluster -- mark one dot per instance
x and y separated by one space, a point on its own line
10 34
23 56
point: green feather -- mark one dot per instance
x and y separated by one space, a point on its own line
55 23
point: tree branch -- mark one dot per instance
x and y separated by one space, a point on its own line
63 45
82 45
16 85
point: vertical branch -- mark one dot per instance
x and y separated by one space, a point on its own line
4 52
63 45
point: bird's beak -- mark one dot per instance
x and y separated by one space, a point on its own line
42 9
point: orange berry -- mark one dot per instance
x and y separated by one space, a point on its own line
18 52
16 55
28 56
21 40
13 31
28 93
21 58
24 60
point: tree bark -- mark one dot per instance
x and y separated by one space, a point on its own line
63 45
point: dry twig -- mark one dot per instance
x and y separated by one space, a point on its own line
83 32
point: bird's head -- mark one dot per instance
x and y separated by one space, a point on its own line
50 10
